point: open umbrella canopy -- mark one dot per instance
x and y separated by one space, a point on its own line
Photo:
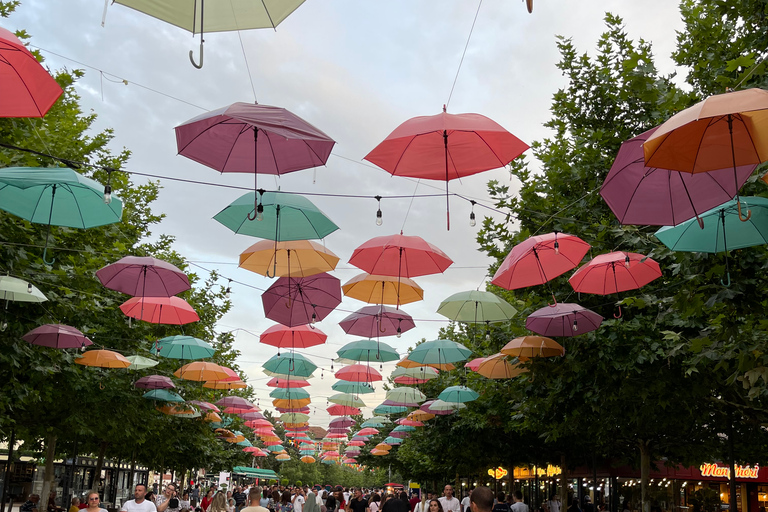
18 290
393 440
277 382
163 395
474 306
420 415
235 401
204 406
532 346
460 394
383 289
302 336
178 410
290 402
439 352
144 276
409 422
443 406
346 399
141 362
343 410
289 393
615 272
368 350
225 384
400 256
294 417
498 366
294 301
416 372
355 388
377 321
201 371
57 336
474 364
563 319
358 373
184 347
308 459
301 258
160 310
426 407
342 422
103 359
405 395
389 409
154 382
295 365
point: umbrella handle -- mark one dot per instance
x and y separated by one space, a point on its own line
192 55
529 5
741 217
619 315
701 221
728 283
45 256
554 299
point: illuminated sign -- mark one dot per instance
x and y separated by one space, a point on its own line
498 473
714 470
549 471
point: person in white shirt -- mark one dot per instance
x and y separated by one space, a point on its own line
139 504
465 501
518 505
553 505
298 500
449 503
423 505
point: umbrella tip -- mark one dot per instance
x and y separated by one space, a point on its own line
444 108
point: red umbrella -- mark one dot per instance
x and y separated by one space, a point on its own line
155 382
296 301
57 336
28 89
446 147
277 382
343 410
358 373
376 321
160 310
302 336
539 259
400 256
144 277
337 436
252 138
615 272
475 363
368 431
409 381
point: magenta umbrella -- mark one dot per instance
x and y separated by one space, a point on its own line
400 404
658 197
144 277
376 321
235 401
57 336
253 138
563 319
154 382
206 406
342 422
294 301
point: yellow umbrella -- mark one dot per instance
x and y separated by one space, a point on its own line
533 346
498 367
296 425
179 410
212 416
308 459
383 446
295 403
300 258
225 384
103 359
201 371
419 415
375 289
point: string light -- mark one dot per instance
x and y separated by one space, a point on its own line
260 206
575 325
108 189
29 287
472 220
228 291
314 317
379 220
626 261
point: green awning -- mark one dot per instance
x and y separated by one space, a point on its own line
255 472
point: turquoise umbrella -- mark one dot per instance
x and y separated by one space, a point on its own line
57 196
163 395
289 393
439 352
221 424
393 440
244 443
375 422
282 217
368 350
403 428
458 394
389 409
275 448
184 347
357 388
723 230
292 364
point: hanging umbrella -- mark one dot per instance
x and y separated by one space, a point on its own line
383 446
283 217
420 415
56 196
409 423
294 417
57 336
18 290
474 364
160 310
295 365
416 372
383 289
225 384
289 393
290 403
347 400
308 459
446 147
368 350
408 381
651 196
533 346
294 301
301 258
563 319
439 352
404 428
277 382
356 388
103 359
178 410
344 421
540 259
144 277
721 230
498 367
204 406
377 321
235 401
426 407
211 417
185 347
367 432
474 306
302 336
407 363
460 394
201 371
342 410
203 17
163 395
389 409
154 382
405 395
141 362
393 440
615 272
358 373
443 406
721 131
400 256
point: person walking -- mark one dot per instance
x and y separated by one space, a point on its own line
481 500
94 502
207 499
519 505
357 503
501 504
448 501
169 500
255 497
139 503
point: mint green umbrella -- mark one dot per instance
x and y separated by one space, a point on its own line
289 393
184 347
347 399
439 352
163 395
368 350
475 306
294 417
375 422
416 372
285 217
458 394
403 428
140 362
405 395
57 196
357 388
289 364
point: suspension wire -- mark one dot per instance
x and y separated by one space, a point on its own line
447 103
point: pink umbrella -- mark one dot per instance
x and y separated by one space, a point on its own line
474 364
253 416
563 319
302 336
377 321
155 382
237 409
337 436
344 430
206 406
296 301
277 382
409 423
144 277
343 410
409 381
342 422
356 443
425 407
252 138
57 336
615 272
368 431
358 373
160 310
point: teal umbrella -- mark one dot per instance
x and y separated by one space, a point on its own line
375 422
439 352
163 395
244 443
458 394
140 362
368 350
389 409
57 196
221 424
275 448
284 217
475 306
289 364
357 388
722 231
403 428
184 347
393 440
289 393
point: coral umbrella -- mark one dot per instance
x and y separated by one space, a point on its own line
204 406
533 346
409 422
103 359
277 382
160 310
446 147
355 443
358 373
377 321
343 410
154 382
144 277
294 301
563 319
301 258
302 336
383 289
201 371
368 431
400 256
540 259
474 364
408 381
57 336
615 272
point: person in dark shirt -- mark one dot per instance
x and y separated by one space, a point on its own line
501 505
31 504
357 503
396 505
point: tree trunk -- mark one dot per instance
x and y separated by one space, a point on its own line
645 471
99 465
563 483
7 476
50 454
732 482
133 470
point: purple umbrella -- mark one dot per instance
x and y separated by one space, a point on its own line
206 406
332 430
658 197
377 321
294 301
359 438
255 415
252 138
234 401
342 422
144 277
57 336
352 453
425 407
400 404
563 320
154 382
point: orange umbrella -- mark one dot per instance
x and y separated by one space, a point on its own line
178 410
375 289
419 415
376 451
103 359
201 371
295 403
300 258
383 446
270 438
225 384
283 456
212 416
533 346
498 366
308 459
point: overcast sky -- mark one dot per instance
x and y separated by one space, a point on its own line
356 70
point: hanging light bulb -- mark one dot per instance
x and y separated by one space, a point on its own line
379 220
487 335
331 365
575 325
3 326
626 261
29 287
321 374
82 347
557 247
314 318
278 352
228 291
260 212
399 331
107 194
472 219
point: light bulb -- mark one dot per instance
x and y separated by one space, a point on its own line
557 247
399 331
472 220
260 212
314 318
487 335
82 348
379 220
4 326
626 261
228 292
575 325
29 287
107 194
278 352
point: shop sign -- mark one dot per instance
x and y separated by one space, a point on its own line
717 471
549 471
498 473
